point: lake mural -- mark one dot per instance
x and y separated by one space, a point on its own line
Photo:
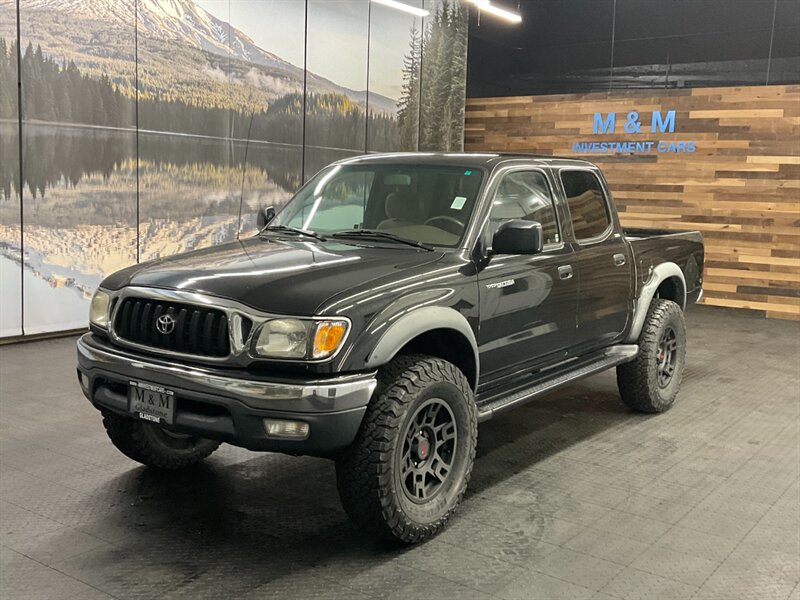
151 127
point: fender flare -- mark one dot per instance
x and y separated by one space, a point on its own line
415 323
660 274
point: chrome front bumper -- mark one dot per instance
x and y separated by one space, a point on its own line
231 405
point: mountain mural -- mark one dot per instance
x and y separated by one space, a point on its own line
143 137
181 46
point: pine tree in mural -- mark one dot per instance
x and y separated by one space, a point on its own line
408 106
60 93
8 80
437 86
458 77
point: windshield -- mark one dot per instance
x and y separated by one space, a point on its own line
421 203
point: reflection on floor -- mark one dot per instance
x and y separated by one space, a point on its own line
572 497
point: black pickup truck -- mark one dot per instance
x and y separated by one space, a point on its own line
390 306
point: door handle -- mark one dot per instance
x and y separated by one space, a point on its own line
619 259
565 272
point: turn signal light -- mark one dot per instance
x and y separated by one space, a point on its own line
328 337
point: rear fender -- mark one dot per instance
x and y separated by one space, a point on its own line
648 291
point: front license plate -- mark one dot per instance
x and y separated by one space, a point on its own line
151 402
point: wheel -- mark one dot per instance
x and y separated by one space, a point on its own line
408 468
650 382
154 446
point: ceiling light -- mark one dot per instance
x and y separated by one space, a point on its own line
486 6
417 12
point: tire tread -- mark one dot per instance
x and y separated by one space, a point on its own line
363 473
634 378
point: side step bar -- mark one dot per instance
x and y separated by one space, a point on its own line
610 357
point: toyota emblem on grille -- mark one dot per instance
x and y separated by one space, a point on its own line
165 324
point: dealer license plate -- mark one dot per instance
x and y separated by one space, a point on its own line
151 402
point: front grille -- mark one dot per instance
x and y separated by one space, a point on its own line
194 330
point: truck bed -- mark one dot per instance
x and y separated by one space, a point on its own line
652 247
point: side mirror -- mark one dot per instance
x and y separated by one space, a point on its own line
518 237
265 215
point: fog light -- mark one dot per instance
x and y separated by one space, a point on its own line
289 430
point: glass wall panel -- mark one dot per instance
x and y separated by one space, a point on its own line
267 64
188 186
10 234
79 154
395 51
337 77
443 76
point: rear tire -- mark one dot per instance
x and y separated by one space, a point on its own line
650 382
152 445
408 468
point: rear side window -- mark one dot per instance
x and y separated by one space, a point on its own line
587 204
526 195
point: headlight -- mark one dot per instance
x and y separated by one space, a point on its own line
98 312
283 338
300 338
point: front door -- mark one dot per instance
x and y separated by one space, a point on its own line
527 302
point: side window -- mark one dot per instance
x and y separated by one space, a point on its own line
587 204
526 195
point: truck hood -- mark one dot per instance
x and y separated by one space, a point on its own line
274 275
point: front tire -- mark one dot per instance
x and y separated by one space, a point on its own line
650 382
154 446
408 468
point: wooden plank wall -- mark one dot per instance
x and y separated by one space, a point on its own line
741 187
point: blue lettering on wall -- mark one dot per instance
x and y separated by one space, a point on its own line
604 126
661 124
632 124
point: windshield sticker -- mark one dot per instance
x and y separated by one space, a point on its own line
458 202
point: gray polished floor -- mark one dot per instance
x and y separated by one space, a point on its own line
572 497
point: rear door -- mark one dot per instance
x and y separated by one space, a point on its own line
527 302
602 261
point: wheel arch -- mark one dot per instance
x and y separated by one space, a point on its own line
435 331
666 281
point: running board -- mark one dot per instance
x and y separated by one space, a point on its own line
611 357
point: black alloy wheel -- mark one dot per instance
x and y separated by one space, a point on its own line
667 356
428 451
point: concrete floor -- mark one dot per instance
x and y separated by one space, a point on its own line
571 497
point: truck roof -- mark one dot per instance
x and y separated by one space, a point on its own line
487 160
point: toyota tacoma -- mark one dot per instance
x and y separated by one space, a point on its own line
391 305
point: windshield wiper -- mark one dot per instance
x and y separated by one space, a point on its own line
294 230
373 233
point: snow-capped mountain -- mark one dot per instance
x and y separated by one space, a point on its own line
172 20
188 25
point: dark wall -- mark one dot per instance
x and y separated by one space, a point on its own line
593 45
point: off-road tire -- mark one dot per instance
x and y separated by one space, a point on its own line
638 381
369 473
149 444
